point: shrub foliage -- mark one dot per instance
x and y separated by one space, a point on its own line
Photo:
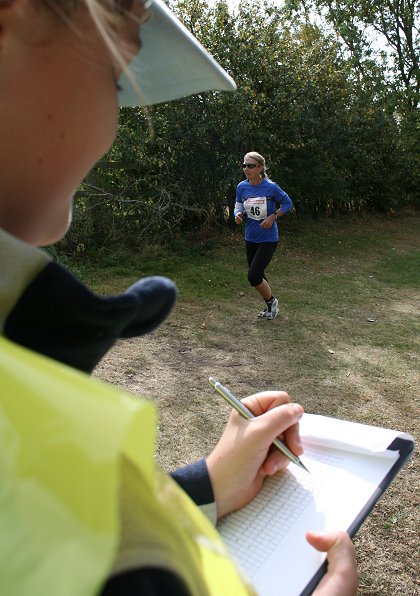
338 128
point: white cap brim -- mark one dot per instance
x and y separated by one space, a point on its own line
170 64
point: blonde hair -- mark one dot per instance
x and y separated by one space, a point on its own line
260 160
106 15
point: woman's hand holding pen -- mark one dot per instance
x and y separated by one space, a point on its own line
244 455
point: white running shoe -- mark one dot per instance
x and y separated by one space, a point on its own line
271 311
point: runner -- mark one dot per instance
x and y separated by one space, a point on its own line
261 203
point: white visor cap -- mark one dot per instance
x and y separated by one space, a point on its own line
170 64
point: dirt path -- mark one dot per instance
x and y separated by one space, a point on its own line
335 361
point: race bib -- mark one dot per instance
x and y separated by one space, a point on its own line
256 207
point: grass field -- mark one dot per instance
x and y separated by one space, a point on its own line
346 344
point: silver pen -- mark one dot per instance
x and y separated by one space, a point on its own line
246 413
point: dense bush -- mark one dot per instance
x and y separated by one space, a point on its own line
335 139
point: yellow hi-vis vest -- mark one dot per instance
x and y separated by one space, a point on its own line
65 440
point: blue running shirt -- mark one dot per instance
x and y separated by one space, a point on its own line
257 202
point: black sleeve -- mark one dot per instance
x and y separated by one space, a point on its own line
145 582
195 481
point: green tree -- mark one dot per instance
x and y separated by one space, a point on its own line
395 24
334 135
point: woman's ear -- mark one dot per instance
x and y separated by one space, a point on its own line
10 10
17 20
10 5
16 5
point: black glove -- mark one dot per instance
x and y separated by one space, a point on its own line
59 317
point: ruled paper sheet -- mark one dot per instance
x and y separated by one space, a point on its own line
267 536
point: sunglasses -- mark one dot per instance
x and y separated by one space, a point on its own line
251 166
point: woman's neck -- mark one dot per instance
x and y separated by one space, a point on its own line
256 181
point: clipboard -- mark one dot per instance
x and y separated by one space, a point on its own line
351 466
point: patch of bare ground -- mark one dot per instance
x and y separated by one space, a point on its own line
346 362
